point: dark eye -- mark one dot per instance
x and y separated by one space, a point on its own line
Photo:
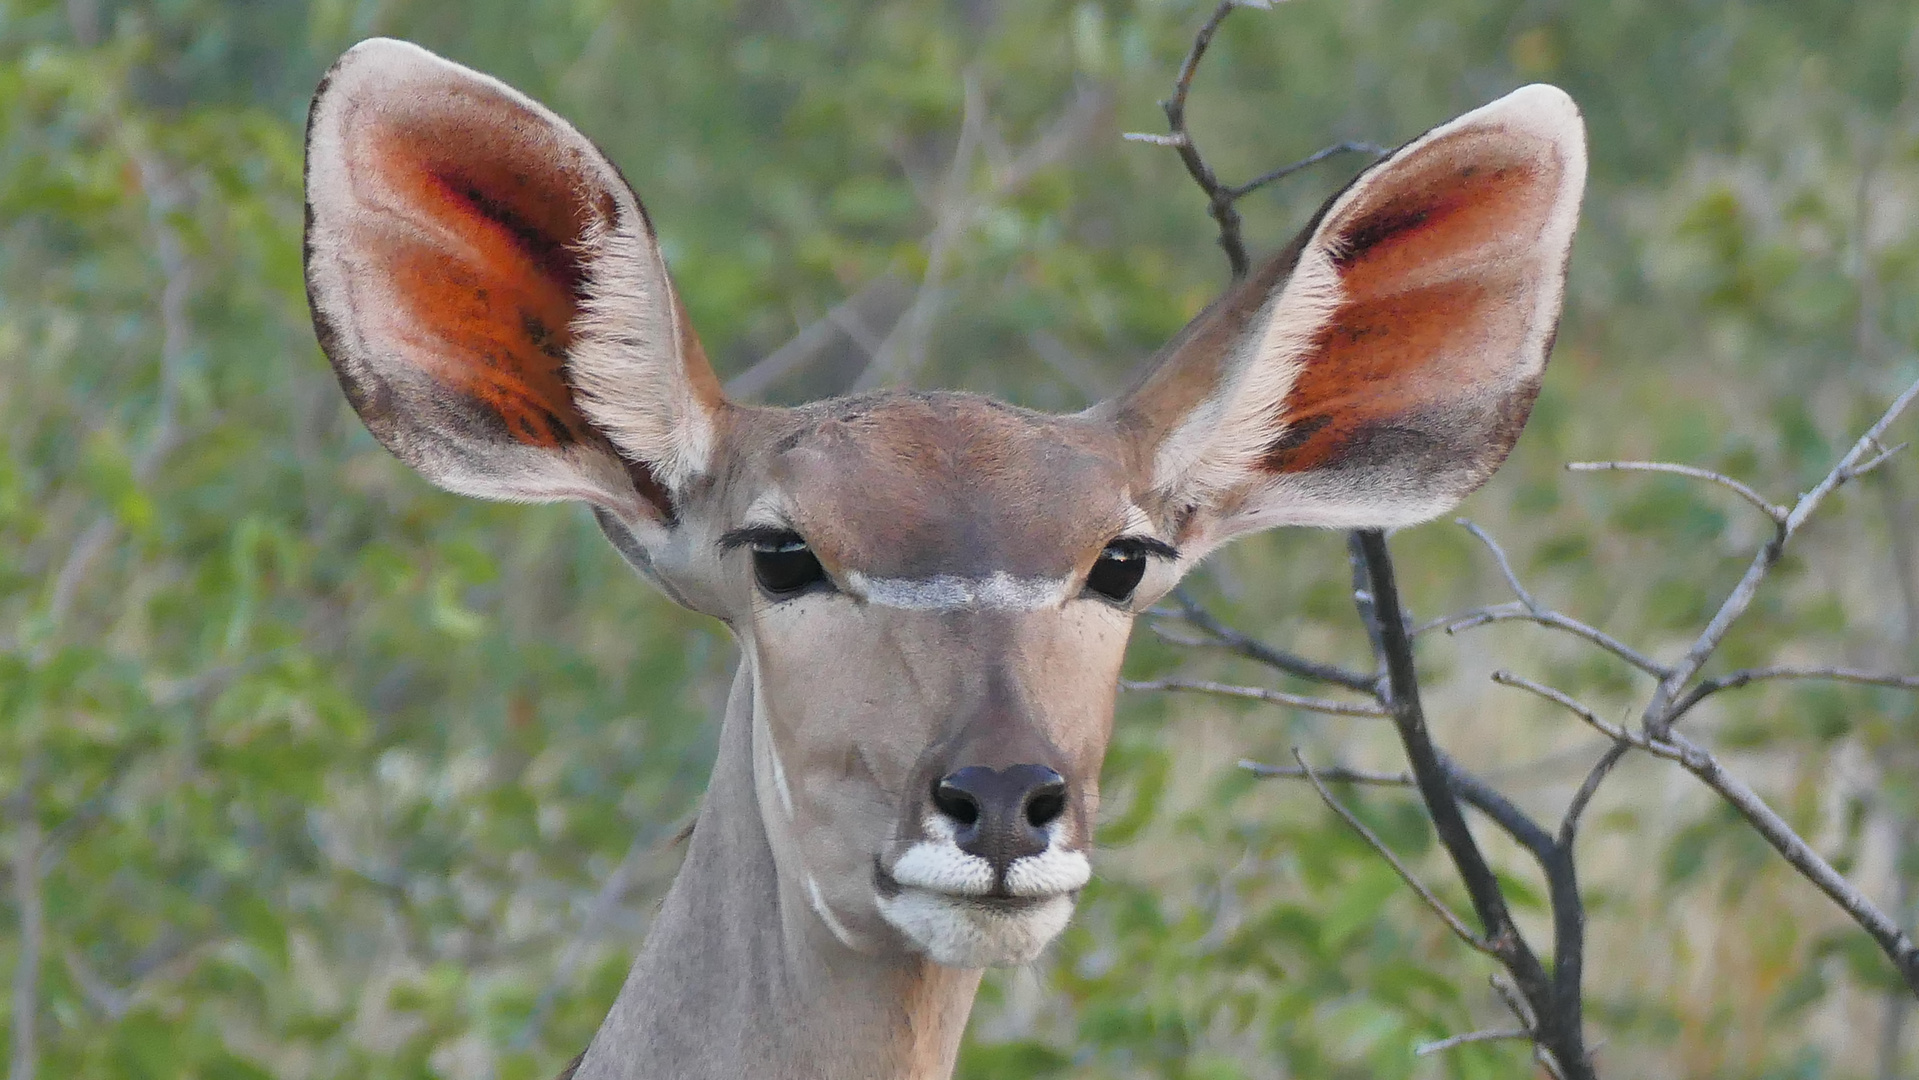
784 565
1117 572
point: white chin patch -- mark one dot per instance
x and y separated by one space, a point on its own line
962 932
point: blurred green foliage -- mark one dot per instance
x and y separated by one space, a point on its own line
311 771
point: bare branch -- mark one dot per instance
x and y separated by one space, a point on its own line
1855 462
1438 906
1500 810
1505 566
1611 731
1734 680
1334 773
1532 610
1891 938
1423 1049
1176 140
1766 506
1556 1000
1509 994
1193 613
1220 197
1898 947
1220 205
1311 159
1863 468
1259 693
1517 612
1659 716
1569 823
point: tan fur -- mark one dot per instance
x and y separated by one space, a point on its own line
495 303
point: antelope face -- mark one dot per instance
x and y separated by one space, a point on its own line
932 592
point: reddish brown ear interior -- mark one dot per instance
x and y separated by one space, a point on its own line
1437 268
481 256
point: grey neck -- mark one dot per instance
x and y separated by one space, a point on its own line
738 977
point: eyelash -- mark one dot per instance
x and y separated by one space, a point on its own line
783 565
1117 572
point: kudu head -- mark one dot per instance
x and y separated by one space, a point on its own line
932 591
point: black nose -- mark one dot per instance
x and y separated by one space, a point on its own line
1001 814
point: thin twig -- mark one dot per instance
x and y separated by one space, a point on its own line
1152 139
1766 506
1309 160
1509 994
1611 731
1518 612
1425 1048
1332 773
1193 613
1221 196
1477 794
1659 715
1438 906
1259 693
1218 197
1734 680
1569 823
1863 468
1536 612
1505 566
1891 938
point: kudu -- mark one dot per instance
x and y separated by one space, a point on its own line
931 592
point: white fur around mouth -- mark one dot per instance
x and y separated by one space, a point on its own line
947 903
937 864
970 932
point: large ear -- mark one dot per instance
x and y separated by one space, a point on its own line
1377 371
492 296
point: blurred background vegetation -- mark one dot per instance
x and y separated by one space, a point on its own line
308 770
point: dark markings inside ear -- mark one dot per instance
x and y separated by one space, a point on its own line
1425 303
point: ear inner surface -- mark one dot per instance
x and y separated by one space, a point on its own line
459 239
1405 335
1436 272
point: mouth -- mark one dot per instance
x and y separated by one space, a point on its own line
974 927
997 900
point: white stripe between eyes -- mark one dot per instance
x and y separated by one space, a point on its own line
948 591
945 591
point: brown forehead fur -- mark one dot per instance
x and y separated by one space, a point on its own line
911 485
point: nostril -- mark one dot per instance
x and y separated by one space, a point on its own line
955 802
1046 804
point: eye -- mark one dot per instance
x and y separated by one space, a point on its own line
1117 572
784 565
